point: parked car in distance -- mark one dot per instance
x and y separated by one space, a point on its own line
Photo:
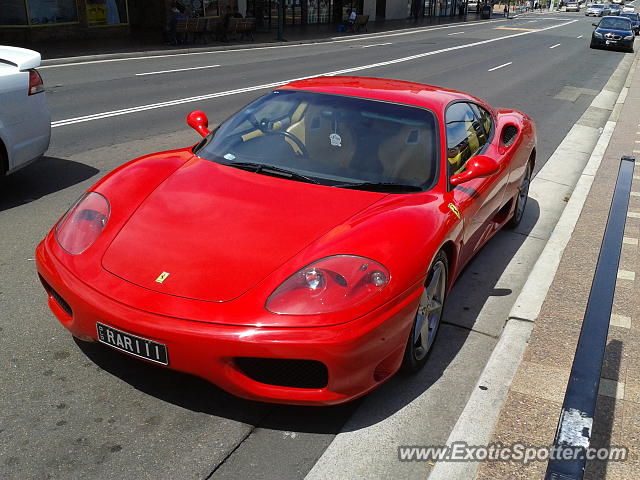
302 251
572 7
635 21
613 32
597 10
628 9
472 7
25 121
615 9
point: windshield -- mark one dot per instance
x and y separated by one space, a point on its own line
631 16
615 23
331 139
597 7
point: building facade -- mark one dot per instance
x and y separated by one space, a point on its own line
24 21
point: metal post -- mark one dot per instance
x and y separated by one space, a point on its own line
576 419
280 37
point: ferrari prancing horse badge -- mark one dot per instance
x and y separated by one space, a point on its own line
162 277
454 209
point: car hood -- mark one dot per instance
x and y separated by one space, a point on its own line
217 231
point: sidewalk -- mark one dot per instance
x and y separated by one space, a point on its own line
150 41
533 405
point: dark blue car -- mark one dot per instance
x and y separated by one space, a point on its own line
613 32
635 21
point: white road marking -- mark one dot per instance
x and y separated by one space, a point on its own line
499 66
579 36
176 70
141 108
455 33
377 45
357 38
556 45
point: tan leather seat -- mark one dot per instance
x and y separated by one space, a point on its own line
407 155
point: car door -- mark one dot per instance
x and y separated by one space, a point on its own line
469 128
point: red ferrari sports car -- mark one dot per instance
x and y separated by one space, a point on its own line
302 252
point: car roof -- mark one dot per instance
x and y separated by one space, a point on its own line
400 91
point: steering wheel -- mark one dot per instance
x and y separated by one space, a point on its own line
303 150
264 128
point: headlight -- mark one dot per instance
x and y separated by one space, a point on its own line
83 223
629 37
329 285
597 35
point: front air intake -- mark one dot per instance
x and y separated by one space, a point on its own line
284 372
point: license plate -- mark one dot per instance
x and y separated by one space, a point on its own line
138 346
611 42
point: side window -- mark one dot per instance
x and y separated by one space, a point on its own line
485 121
464 134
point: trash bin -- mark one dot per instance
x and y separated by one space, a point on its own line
485 12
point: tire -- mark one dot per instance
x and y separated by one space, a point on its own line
428 315
592 45
521 199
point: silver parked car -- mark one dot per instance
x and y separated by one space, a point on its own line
25 121
597 10
572 7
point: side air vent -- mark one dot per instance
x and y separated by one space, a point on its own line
509 135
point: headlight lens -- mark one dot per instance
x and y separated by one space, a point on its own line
597 35
629 37
329 285
83 223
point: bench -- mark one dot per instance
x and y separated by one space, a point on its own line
242 26
188 30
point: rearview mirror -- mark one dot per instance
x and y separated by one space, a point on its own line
199 122
477 167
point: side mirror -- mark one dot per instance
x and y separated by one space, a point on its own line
477 167
199 122
594 24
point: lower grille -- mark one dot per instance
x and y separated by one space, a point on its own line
285 372
56 296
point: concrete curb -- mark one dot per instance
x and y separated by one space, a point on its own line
478 419
221 48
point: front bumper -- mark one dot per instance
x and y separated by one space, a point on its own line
358 355
602 43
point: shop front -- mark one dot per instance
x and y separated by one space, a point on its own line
302 12
39 20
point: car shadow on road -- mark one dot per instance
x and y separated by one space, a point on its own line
198 395
44 176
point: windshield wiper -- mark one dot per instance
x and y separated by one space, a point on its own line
266 169
380 187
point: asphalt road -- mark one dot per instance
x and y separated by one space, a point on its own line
73 410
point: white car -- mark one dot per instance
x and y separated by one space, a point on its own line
25 121
628 9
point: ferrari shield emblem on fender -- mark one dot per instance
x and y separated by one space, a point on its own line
452 207
162 277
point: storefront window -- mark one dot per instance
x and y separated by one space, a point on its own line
106 12
14 13
45 12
